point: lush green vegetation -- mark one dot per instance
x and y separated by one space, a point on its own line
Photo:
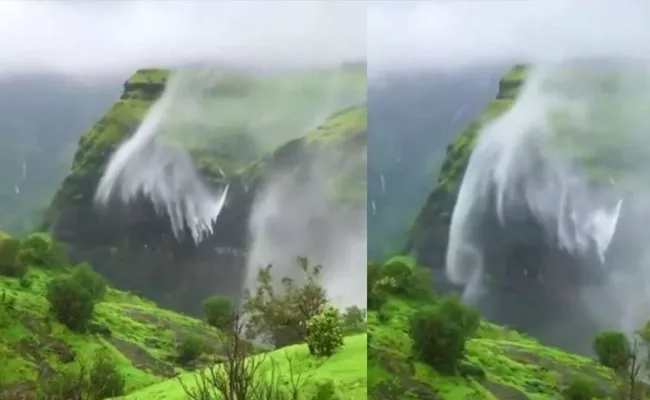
64 331
422 345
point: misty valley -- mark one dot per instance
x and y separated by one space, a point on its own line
211 229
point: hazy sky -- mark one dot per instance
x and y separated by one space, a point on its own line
89 37
461 33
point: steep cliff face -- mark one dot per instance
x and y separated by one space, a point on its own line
134 247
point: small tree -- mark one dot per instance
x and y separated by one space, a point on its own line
219 312
325 333
71 303
282 317
440 331
353 318
615 351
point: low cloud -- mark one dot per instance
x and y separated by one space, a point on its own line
96 37
453 34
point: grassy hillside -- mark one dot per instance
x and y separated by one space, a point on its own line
346 369
498 364
139 336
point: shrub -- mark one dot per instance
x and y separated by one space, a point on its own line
582 389
39 249
325 333
440 331
94 283
104 379
71 303
219 312
189 349
613 349
410 280
9 265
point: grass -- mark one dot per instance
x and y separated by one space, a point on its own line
345 369
141 342
515 365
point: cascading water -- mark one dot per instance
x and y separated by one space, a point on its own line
269 110
144 165
567 156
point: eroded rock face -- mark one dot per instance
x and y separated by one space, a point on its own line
133 246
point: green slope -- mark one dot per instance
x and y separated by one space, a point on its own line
498 363
140 336
515 365
346 369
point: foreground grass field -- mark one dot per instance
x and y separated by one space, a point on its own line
500 363
346 369
139 336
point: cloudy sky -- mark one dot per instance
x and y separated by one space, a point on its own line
461 33
91 37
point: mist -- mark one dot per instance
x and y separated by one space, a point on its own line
293 218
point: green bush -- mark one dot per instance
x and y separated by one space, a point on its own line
39 249
71 303
440 331
9 265
94 283
410 280
190 349
324 332
219 312
582 389
613 349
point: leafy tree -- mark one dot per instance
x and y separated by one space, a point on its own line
282 316
218 311
440 331
612 349
325 333
71 303
582 389
39 249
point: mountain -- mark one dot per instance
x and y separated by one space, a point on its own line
134 246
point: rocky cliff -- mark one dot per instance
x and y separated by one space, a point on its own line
135 248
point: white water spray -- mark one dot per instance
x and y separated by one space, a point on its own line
145 165
566 155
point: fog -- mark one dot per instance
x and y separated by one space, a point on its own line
453 34
98 38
